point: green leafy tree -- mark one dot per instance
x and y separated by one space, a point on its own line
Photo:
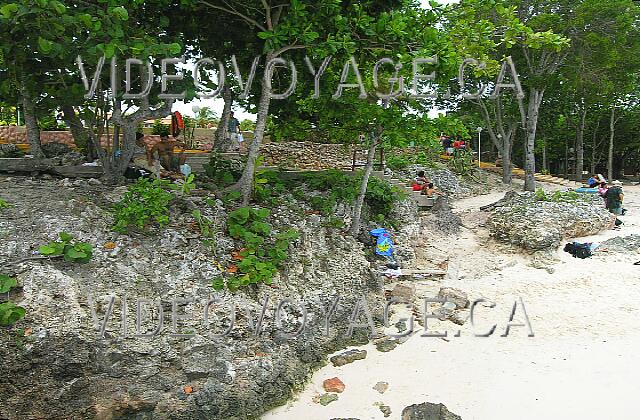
488 31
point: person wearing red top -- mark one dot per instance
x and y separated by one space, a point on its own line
456 144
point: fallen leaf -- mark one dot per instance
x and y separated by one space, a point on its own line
236 256
110 245
232 269
188 389
28 332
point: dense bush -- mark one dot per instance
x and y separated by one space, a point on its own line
261 254
160 129
50 123
223 172
144 203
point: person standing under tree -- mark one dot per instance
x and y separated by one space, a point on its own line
234 132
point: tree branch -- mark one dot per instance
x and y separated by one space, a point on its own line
235 12
267 14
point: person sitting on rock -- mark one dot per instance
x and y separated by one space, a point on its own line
593 181
602 190
168 159
430 190
420 181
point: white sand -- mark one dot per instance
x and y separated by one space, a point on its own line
583 362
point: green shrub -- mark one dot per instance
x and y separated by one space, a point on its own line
50 123
10 313
334 222
207 229
262 253
4 204
267 185
540 195
144 203
223 172
79 252
10 151
560 196
462 163
381 196
160 129
398 163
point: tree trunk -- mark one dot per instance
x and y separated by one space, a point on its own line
507 171
78 131
580 145
535 99
245 183
592 167
222 143
612 128
30 121
357 209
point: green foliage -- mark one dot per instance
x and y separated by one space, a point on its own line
268 186
159 128
247 125
334 222
72 251
398 162
207 229
262 252
428 157
462 163
205 117
7 283
50 123
145 202
188 185
560 196
223 172
380 196
10 313
11 151
231 196
4 204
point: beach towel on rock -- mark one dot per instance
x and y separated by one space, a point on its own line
384 245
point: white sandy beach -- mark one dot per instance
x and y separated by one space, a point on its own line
583 362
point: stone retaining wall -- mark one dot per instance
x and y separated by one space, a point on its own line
301 155
16 135
306 155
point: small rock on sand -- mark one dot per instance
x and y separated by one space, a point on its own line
454 295
386 345
381 387
428 411
405 291
333 385
386 410
327 399
347 357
